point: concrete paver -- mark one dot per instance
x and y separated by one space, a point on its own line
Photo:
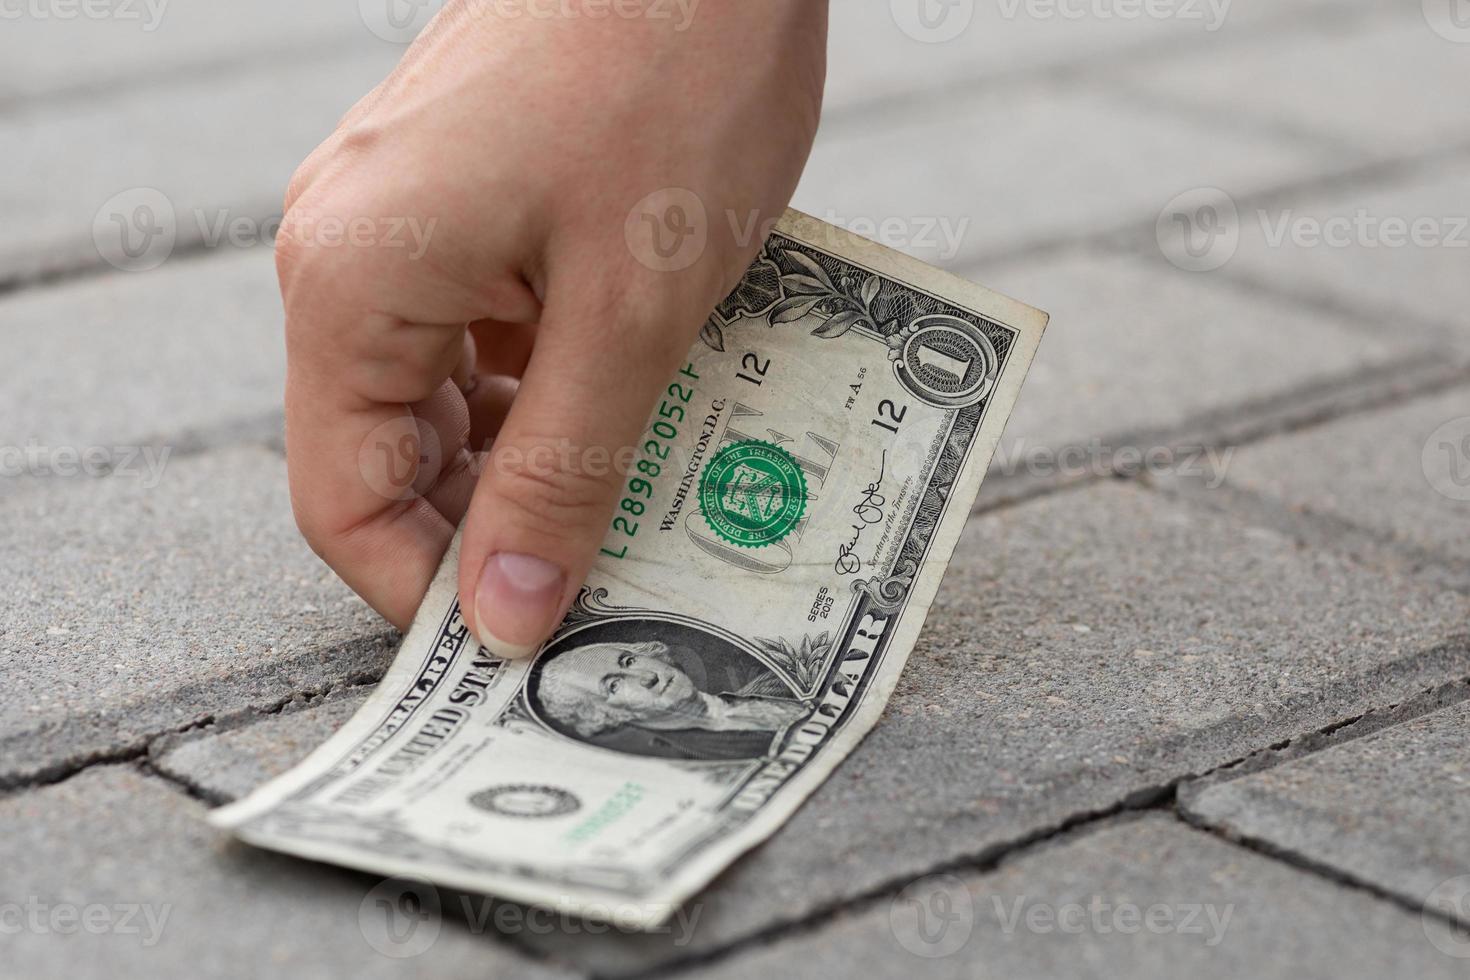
1000 171
1387 809
190 350
1141 347
158 892
1146 899
135 610
1402 474
1087 647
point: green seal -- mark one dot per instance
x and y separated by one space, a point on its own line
752 493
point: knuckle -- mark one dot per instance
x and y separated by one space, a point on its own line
548 486
295 187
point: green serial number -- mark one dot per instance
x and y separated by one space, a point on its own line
650 465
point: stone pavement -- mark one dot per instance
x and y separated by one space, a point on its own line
1195 695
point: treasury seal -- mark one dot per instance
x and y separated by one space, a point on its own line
752 493
526 800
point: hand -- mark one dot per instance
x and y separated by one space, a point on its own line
455 269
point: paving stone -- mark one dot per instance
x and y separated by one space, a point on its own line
228 766
167 895
50 56
1088 647
1427 282
1369 85
1370 471
1146 898
879 53
1139 347
135 610
192 347
996 172
218 150
1387 808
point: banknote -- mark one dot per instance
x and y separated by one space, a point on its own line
786 518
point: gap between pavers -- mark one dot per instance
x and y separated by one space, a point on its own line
1087 648
135 612
1387 809
1144 898
168 895
158 361
1385 484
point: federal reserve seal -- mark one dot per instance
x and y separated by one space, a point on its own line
752 493
526 800
945 361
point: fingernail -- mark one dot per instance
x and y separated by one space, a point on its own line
516 603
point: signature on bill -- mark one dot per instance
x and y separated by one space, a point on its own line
868 511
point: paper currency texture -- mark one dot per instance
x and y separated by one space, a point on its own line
787 516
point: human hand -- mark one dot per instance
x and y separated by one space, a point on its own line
517 149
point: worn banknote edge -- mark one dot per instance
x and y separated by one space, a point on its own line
1028 322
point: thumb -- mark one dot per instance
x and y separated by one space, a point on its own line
559 469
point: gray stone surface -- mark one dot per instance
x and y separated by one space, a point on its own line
874 59
1387 809
227 766
133 611
1090 650
1086 648
1002 170
1370 471
1399 285
1146 898
1350 86
1117 321
166 895
193 347
219 149
76 56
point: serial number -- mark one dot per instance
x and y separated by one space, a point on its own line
650 465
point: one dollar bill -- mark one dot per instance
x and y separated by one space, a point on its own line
788 514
